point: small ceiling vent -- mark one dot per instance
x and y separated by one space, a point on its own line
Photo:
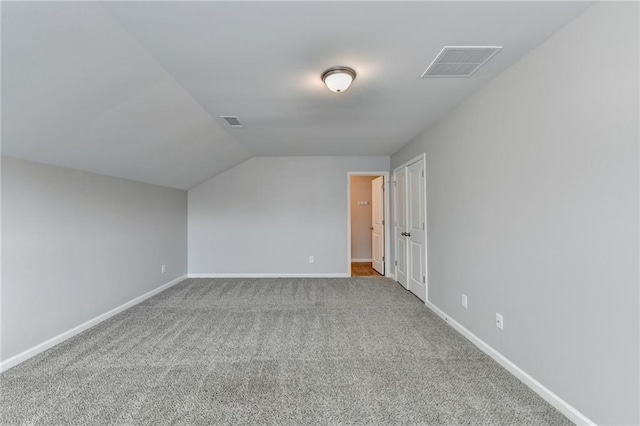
460 61
232 121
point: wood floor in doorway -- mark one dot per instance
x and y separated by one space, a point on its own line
363 269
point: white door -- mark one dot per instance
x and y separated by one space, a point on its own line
415 233
377 224
400 226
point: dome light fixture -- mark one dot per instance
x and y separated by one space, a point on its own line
338 79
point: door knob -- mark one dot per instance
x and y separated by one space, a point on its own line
371 228
408 234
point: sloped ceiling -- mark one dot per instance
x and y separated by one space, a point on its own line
135 89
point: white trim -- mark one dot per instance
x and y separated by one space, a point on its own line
387 218
29 353
390 275
560 404
410 162
270 275
362 260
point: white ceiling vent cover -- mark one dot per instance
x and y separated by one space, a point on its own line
460 61
232 121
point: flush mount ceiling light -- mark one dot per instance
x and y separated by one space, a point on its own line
338 79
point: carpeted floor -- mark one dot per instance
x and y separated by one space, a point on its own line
270 351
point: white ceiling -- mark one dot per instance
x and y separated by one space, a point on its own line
135 89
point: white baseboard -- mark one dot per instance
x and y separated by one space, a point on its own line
560 404
272 275
362 260
392 276
29 353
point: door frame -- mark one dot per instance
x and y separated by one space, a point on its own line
387 210
422 157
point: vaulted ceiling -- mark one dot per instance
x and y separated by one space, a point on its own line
136 89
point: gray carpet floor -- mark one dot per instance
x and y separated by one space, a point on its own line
271 351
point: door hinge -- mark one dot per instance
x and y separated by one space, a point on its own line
424 279
423 226
423 173
383 221
394 183
383 258
396 263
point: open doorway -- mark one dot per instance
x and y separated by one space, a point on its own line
368 227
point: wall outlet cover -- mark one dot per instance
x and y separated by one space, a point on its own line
499 321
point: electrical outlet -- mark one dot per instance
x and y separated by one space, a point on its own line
163 269
499 321
311 259
464 301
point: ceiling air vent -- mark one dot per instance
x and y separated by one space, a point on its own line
460 61
232 121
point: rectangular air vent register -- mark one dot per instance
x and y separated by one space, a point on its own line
460 61
231 120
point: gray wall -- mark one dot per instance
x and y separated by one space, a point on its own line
361 217
269 214
76 245
532 195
